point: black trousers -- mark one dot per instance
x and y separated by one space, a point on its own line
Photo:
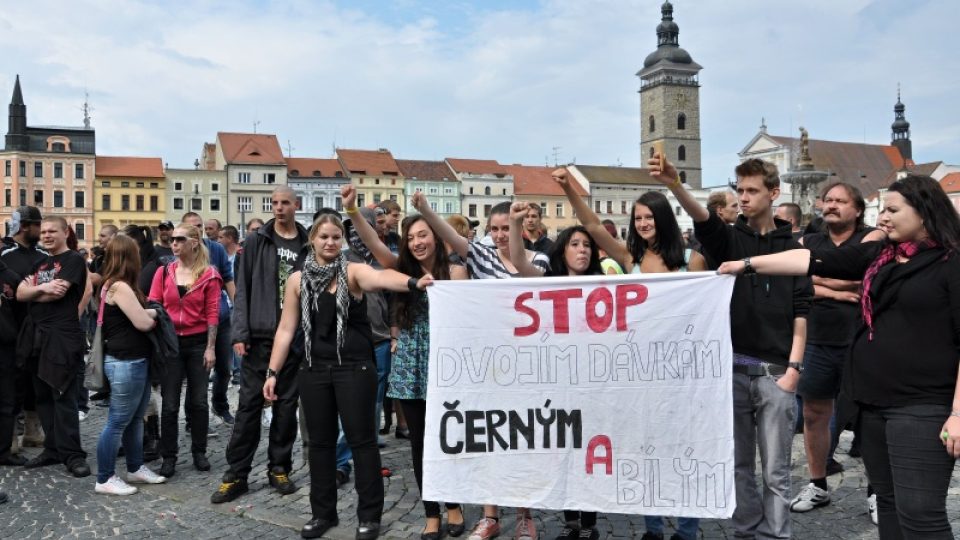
349 392
246 429
415 411
191 364
909 469
222 368
586 520
61 423
8 396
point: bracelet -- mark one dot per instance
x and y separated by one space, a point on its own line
676 183
747 267
353 210
270 373
412 284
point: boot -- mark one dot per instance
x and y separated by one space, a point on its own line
151 439
15 442
32 430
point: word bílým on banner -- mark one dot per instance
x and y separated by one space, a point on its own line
607 393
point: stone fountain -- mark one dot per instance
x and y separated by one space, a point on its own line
804 178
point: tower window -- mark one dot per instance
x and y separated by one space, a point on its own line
653 124
682 153
651 152
683 177
681 121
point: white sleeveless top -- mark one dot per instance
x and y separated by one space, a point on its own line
686 261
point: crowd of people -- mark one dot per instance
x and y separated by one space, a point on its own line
839 326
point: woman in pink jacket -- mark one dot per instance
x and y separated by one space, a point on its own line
189 289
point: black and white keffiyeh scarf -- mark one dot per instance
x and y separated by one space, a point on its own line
315 279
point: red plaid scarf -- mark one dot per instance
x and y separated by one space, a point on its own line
890 253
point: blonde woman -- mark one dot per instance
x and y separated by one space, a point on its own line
189 289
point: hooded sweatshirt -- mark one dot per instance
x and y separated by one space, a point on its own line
763 308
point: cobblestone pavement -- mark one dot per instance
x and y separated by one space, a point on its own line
49 503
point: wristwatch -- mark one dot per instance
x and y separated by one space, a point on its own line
270 373
747 267
796 365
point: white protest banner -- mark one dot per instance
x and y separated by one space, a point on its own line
607 393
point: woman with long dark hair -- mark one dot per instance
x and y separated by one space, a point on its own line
189 290
126 362
902 367
654 241
338 377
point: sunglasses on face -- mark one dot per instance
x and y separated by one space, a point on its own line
179 239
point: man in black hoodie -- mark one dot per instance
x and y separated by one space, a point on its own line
768 330
269 256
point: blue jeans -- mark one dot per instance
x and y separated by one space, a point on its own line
129 397
686 527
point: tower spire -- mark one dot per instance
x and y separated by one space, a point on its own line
900 136
16 138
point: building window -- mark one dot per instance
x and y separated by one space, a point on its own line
486 210
178 203
448 207
57 198
7 168
623 207
8 197
58 170
678 210
543 209
471 190
683 177
434 191
266 204
609 207
78 171
559 209
58 147
79 199
215 186
154 185
361 199
486 190
393 198
269 178
433 206
38 169
245 204
140 203
81 230
23 168
125 184
472 212
504 191
105 183
448 191
338 203
652 124
214 205
243 178
376 198
178 186
681 121
596 206
299 203
38 197
651 152
124 202
682 153
105 202
196 204
23 197
139 184
154 203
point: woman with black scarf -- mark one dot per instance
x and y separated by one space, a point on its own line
338 377
902 367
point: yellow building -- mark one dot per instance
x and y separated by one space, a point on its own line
129 190
375 174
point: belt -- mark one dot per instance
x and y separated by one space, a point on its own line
759 370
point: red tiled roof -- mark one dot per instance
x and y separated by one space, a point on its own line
133 167
533 180
368 162
311 167
476 166
607 174
250 148
925 169
867 166
951 183
431 171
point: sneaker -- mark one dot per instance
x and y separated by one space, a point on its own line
143 475
872 508
569 532
267 417
82 415
342 477
810 497
114 486
227 418
526 529
281 482
590 533
485 529
229 490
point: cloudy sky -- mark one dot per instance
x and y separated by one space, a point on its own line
501 79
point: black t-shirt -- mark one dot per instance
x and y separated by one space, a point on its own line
21 261
288 259
164 255
832 322
9 280
60 314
